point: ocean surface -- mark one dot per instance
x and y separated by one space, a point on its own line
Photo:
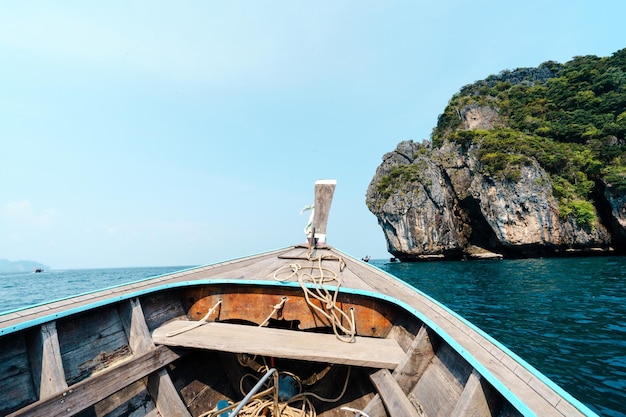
566 316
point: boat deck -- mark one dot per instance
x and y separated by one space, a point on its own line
503 371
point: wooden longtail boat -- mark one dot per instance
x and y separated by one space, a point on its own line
301 331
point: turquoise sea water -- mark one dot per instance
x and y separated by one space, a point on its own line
27 288
566 317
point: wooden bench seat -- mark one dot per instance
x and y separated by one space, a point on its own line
289 344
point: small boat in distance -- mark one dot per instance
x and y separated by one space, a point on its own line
306 330
38 270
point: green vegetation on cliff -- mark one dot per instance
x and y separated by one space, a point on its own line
397 177
570 118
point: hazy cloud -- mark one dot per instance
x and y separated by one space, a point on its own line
23 213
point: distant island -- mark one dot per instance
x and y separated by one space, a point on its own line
8 267
526 163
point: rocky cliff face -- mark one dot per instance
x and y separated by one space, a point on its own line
438 203
530 162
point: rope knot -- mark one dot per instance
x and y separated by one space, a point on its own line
327 306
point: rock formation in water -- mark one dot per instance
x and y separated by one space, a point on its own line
497 183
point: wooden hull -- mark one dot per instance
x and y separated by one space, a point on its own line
141 350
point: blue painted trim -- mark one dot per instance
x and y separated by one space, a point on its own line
498 385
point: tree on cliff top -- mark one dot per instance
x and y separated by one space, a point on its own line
570 117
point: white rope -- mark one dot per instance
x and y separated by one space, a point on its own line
357 413
265 403
274 310
195 323
294 268
327 400
335 315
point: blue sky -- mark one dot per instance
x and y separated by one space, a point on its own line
140 133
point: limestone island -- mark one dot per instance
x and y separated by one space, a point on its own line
527 163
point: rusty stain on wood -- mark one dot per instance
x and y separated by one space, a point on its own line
254 305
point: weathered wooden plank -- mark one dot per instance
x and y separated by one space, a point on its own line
416 359
316 347
441 385
410 369
396 401
324 190
16 382
133 320
166 397
159 384
153 413
45 361
159 308
91 342
87 392
125 402
477 399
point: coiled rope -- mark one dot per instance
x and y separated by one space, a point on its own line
266 403
320 277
